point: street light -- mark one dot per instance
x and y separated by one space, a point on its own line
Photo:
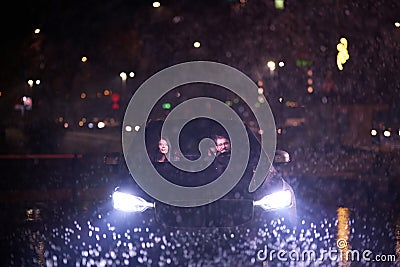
123 76
271 65
31 82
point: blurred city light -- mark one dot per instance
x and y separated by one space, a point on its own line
84 59
101 125
374 132
260 90
123 76
156 4
115 97
397 24
128 128
271 65
37 82
343 228
280 4
131 74
196 44
27 102
303 63
137 128
83 95
343 54
166 105
37 31
386 133
281 64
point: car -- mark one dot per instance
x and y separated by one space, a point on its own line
275 197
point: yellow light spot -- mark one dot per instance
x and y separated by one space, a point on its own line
260 90
84 59
81 123
37 31
196 44
83 95
343 228
280 99
343 54
310 90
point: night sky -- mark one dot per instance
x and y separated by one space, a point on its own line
134 36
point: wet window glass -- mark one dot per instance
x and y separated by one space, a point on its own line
207 133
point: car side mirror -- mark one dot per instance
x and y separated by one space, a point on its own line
281 156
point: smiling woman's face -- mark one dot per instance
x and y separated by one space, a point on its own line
163 146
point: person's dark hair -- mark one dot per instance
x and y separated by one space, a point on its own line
158 155
219 136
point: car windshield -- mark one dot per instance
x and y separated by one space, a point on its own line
284 148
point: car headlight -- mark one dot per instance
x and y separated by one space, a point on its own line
130 203
277 200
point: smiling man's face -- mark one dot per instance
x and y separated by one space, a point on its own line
223 144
